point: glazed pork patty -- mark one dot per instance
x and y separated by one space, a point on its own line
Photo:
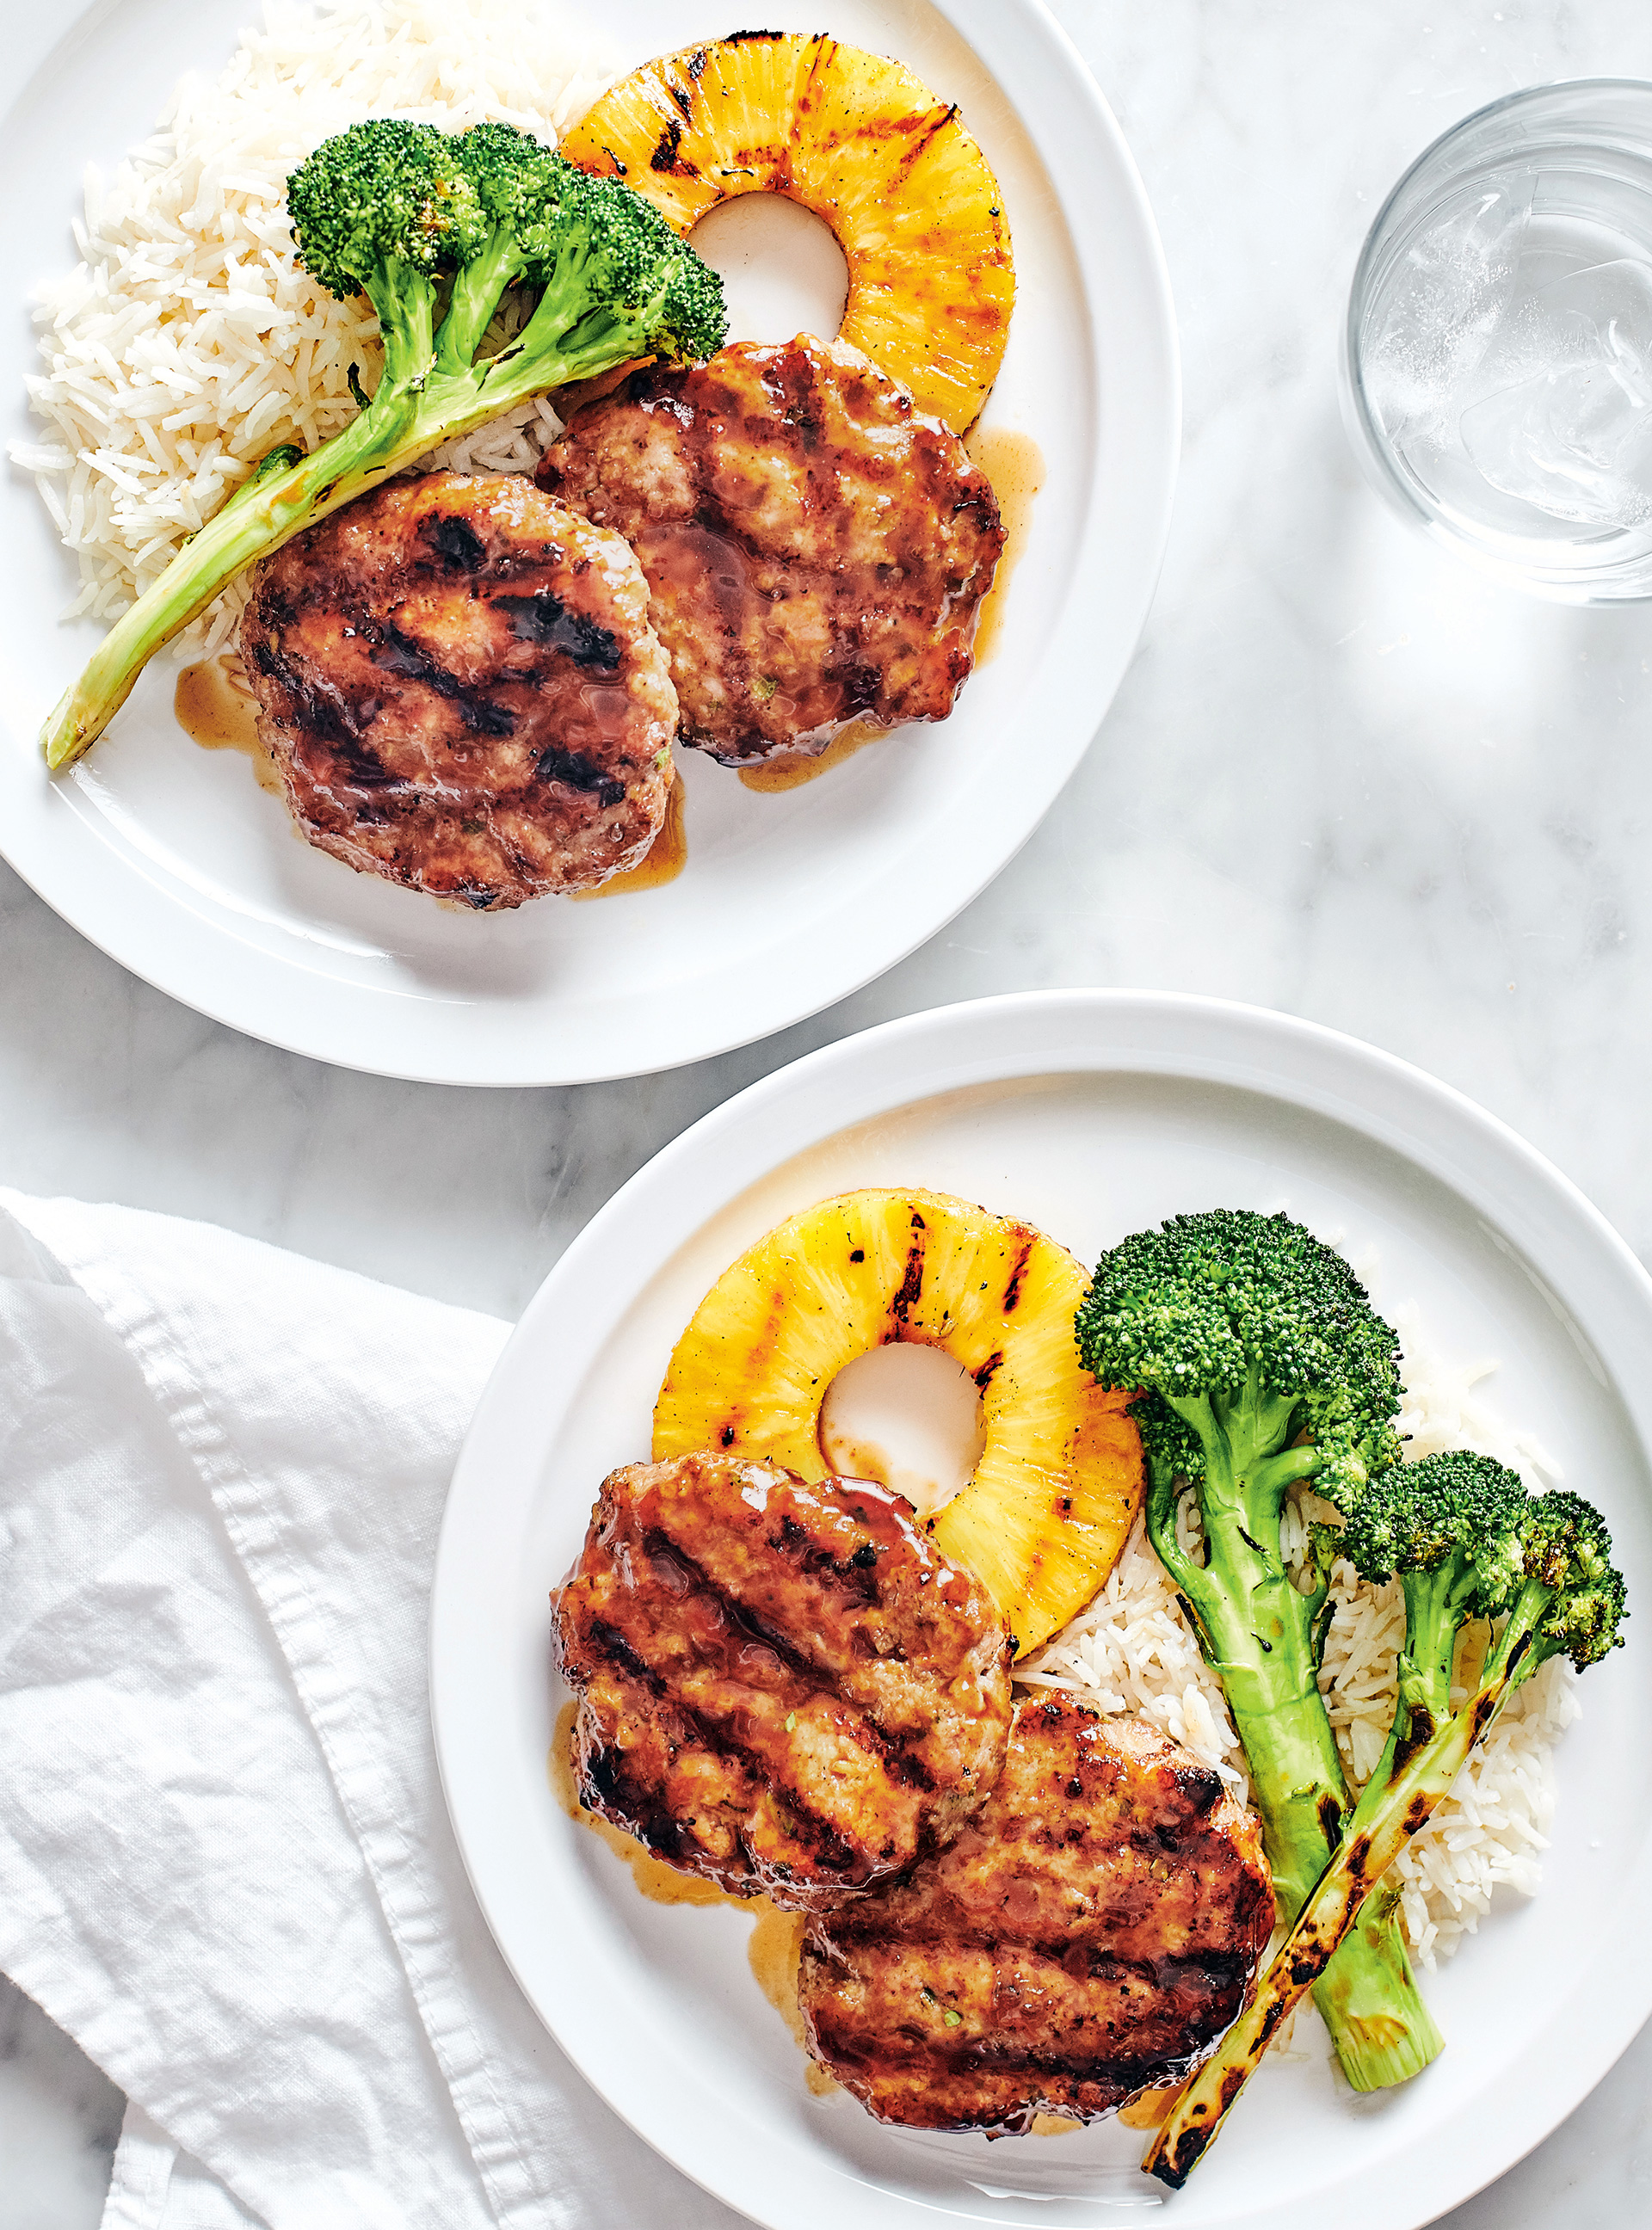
459 684
1088 1935
786 1688
817 553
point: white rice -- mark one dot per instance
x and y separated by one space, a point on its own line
1133 1651
186 342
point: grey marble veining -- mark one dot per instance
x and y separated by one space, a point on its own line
1346 777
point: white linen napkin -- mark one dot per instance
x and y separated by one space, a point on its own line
226 1867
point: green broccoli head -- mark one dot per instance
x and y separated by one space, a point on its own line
1215 1305
1455 1507
1566 1558
381 194
596 239
510 169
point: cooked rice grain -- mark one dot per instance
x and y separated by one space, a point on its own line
186 342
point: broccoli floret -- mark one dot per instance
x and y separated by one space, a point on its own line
1231 1318
433 229
1457 1515
1258 1362
381 204
1462 1527
1451 1528
1465 1541
1570 1602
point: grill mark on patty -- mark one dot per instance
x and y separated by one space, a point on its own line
546 619
679 1723
618 1651
461 549
660 1549
856 1581
640 1799
326 714
604 1775
1211 1970
997 2062
399 654
904 1767
578 772
826 1845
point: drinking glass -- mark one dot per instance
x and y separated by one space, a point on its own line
1497 356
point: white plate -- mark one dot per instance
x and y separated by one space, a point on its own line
171 859
1092 1113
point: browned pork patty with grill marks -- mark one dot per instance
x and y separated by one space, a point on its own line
1089 1935
817 553
459 684
784 1687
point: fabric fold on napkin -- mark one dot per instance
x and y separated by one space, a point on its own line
226 1867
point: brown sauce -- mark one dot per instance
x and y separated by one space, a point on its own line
663 861
215 706
787 770
1148 2111
775 1951
1015 465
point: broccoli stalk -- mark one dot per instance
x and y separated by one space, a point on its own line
391 209
1547 1562
1260 1361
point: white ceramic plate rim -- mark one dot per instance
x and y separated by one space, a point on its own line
140 920
981 1042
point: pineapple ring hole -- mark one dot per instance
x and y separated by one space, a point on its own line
908 1416
782 269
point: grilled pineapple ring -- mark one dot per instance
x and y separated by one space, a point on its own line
866 145
1060 1480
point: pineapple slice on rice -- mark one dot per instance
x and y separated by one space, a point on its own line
867 146
1047 1512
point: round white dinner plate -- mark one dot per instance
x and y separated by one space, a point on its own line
1091 1114
174 861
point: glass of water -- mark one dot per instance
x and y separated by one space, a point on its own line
1497 359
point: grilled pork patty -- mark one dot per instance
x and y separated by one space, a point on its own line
1089 1935
815 552
459 683
784 1687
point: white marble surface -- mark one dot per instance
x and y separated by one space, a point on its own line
1346 777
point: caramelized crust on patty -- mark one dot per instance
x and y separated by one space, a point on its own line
815 552
1088 1935
459 683
784 1687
